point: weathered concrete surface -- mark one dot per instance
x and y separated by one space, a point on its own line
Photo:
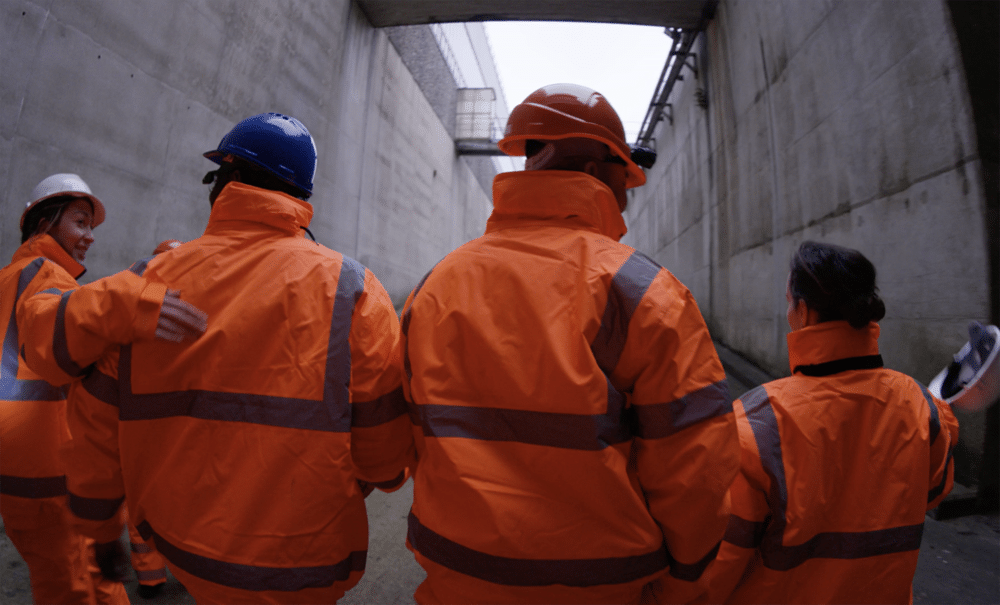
843 122
130 97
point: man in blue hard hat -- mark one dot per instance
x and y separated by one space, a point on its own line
247 454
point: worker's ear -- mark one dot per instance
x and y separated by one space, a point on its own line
802 315
591 168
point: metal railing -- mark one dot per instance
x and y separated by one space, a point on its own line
680 57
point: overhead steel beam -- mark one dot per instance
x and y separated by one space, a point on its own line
683 14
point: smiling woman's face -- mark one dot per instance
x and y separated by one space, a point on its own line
74 231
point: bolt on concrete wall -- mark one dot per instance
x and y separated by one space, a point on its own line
843 122
130 97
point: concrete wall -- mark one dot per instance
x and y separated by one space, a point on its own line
843 122
130 95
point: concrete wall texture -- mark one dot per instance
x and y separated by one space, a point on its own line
130 96
842 122
847 122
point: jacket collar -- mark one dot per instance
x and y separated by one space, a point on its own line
242 202
46 245
575 198
831 341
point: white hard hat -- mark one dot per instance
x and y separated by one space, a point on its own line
63 184
972 380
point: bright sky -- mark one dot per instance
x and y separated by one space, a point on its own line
622 62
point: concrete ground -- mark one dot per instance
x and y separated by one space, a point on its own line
959 557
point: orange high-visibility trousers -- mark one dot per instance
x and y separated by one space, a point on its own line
60 560
42 531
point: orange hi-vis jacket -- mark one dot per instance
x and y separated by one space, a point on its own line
841 462
573 426
33 433
32 412
240 454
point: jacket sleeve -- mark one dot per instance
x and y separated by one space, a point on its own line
381 437
686 451
52 280
66 331
93 466
943 437
748 519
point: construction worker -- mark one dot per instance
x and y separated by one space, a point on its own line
56 232
573 425
242 454
148 564
841 460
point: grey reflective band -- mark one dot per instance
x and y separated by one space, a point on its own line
102 387
337 380
935 421
664 419
139 266
845 545
60 344
404 325
379 411
26 276
94 509
628 286
532 572
255 578
934 428
691 572
140 548
268 410
13 388
569 431
33 487
939 488
744 533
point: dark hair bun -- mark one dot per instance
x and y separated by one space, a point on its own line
859 311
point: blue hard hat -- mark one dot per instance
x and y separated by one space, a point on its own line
280 144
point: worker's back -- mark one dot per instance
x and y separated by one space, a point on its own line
237 449
535 355
844 466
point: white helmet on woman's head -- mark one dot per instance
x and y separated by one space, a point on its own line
972 380
63 184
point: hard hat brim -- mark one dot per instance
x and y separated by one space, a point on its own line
635 176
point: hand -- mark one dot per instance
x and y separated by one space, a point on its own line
111 560
179 321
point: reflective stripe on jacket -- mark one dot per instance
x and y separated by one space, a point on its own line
33 425
572 418
241 452
841 461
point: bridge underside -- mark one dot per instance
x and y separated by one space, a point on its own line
684 14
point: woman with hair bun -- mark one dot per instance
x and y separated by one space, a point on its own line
841 460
